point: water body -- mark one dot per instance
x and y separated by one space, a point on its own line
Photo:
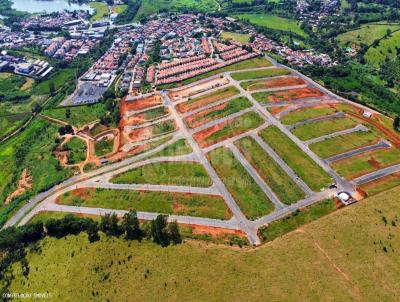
48 6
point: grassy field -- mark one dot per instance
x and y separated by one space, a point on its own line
78 115
167 173
180 147
103 147
316 129
100 11
366 163
273 22
76 150
383 184
238 37
218 112
163 127
155 113
339 257
236 126
10 123
343 143
385 50
299 218
247 194
160 202
208 98
119 8
366 34
256 74
306 114
32 150
312 174
274 176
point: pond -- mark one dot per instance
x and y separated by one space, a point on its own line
49 6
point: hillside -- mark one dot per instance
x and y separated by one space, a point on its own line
352 254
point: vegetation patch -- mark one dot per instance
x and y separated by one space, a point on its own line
76 150
100 11
301 115
247 194
197 205
272 83
343 143
180 147
303 216
104 146
167 173
217 112
273 175
238 37
262 73
312 174
228 129
316 129
208 98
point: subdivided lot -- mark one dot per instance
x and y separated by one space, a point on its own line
160 202
206 99
76 150
167 173
104 146
78 115
144 133
247 194
293 221
311 173
273 175
141 104
228 129
272 83
180 147
217 112
287 95
316 129
300 115
262 73
382 184
367 162
146 116
343 143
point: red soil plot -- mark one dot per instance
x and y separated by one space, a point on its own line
214 232
140 104
293 94
203 101
274 83
141 134
201 118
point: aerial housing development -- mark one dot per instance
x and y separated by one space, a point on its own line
176 151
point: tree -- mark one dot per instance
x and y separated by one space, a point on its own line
68 129
396 123
174 234
67 113
36 108
52 88
131 226
61 131
158 231
92 231
109 225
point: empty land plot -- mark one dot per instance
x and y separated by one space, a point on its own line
206 99
316 129
343 143
217 112
104 146
311 173
180 147
300 115
273 175
241 38
287 95
272 83
198 205
76 150
247 194
366 163
140 104
160 128
149 115
166 173
228 129
382 184
257 74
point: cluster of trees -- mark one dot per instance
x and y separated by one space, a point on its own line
110 100
14 240
67 129
129 14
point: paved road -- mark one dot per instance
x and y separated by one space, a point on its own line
257 178
382 144
359 127
283 165
334 116
376 175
